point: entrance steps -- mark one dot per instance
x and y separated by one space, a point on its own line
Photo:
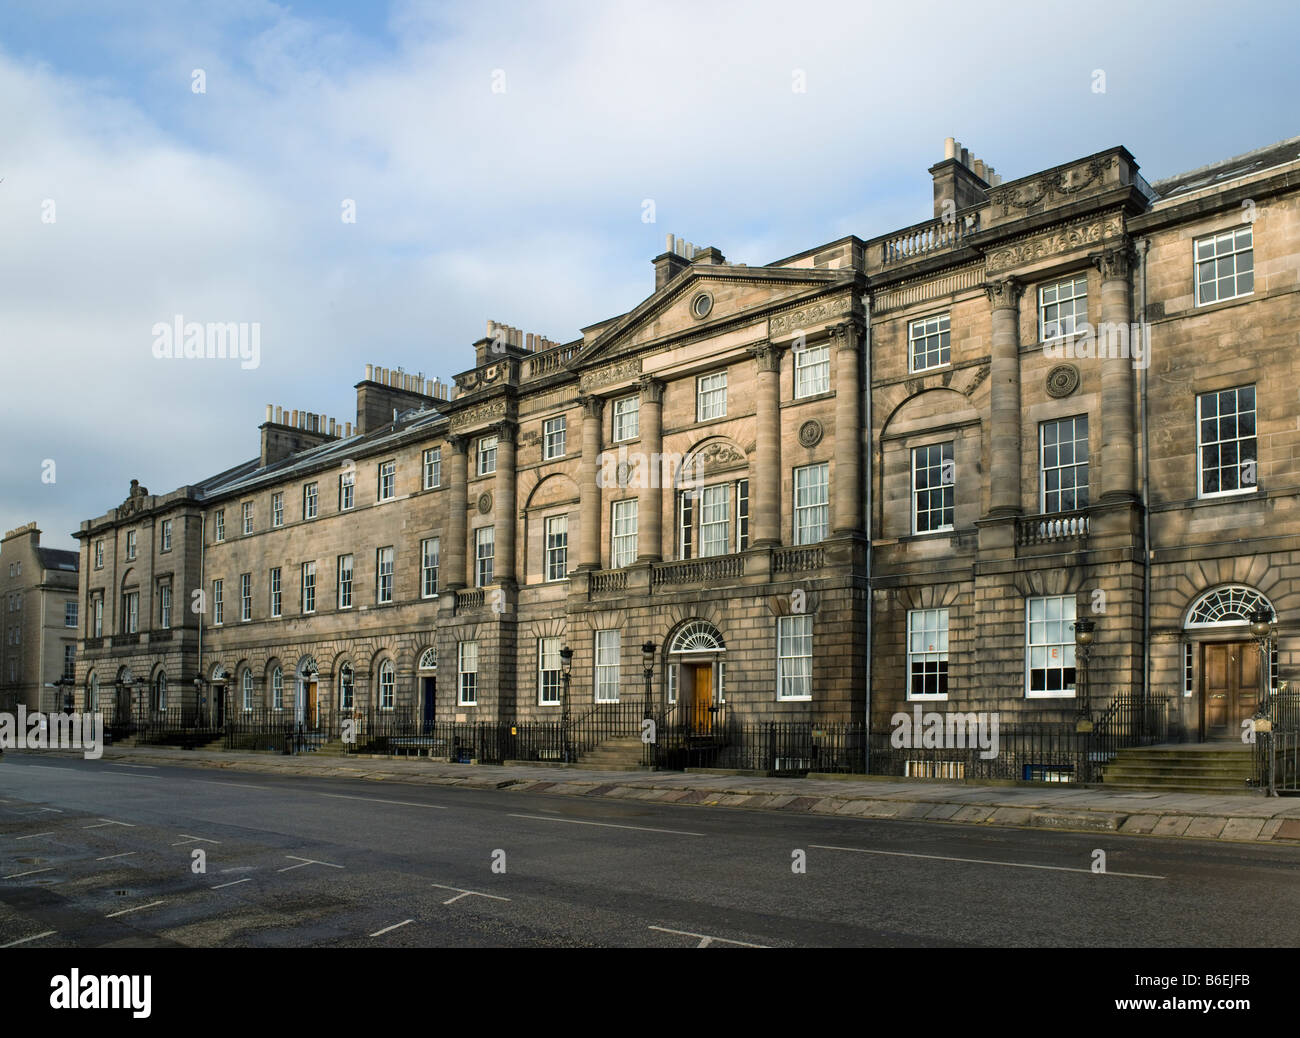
1183 769
622 753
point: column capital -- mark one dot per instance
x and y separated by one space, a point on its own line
652 390
767 355
1004 294
592 406
1115 263
458 442
847 335
505 429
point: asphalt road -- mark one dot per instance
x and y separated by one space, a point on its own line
96 854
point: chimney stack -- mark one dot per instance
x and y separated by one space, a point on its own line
960 179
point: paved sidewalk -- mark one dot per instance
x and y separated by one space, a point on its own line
1248 819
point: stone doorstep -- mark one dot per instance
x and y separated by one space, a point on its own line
1155 822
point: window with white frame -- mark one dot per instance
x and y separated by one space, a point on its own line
1227 448
691 517
277 592
347 687
387 480
557 547
309 501
927 654
487 455
1188 654
246 514
794 657
432 468
309 587
715 520
98 628
608 647
711 396
384 576
247 687
1049 646
812 371
554 432
429 567
345 581
627 418
929 342
811 503
622 549
220 524
933 488
245 597
69 614
165 607
548 671
484 555
166 536
468 670
218 606
132 612
277 508
277 689
99 555
1063 455
387 685
1062 308
347 489
1225 266
130 544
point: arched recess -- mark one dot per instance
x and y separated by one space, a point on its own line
695 673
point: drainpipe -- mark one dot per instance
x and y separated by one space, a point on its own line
203 536
1146 492
869 473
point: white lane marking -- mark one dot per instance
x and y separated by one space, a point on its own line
138 908
372 800
33 836
305 863
241 785
387 929
609 825
982 861
466 893
705 939
110 857
233 883
19 875
54 810
194 839
15 944
149 767
107 821
49 767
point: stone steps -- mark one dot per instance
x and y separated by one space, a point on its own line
1176 770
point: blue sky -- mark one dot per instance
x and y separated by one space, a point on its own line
524 204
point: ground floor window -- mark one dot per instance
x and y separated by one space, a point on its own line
548 671
927 654
1049 644
794 657
607 652
468 656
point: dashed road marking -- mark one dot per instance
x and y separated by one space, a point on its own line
466 893
194 839
148 767
982 861
706 939
33 872
609 825
107 821
387 929
34 836
241 785
233 883
372 800
305 863
27 940
110 857
138 908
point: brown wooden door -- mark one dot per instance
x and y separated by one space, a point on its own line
702 699
309 711
1230 687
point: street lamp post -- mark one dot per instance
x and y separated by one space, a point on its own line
566 668
1083 637
1261 627
648 665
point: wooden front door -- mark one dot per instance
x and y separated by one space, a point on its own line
702 698
1230 688
309 705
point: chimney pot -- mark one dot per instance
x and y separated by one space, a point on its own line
979 169
949 148
370 372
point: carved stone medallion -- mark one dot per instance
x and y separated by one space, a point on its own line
810 433
1062 380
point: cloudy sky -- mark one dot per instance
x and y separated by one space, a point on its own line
498 156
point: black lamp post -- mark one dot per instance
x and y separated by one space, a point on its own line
1261 627
1083 637
566 669
198 700
648 665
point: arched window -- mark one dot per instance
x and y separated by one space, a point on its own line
277 689
248 691
92 693
698 636
429 659
160 691
1226 606
387 685
346 684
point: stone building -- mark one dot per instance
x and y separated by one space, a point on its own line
38 603
875 472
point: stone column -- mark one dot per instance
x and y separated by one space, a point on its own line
650 498
589 490
455 565
504 505
765 483
846 501
1004 398
1118 454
